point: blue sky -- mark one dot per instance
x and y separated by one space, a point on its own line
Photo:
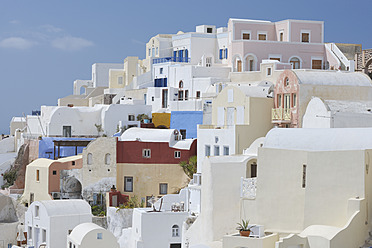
46 45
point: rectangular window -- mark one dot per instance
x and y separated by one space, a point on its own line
273 58
216 150
37 211
186 95
303 175
66 131
226 151
198 95
281 36
268 71
180 95
120 80
37 175
99 235
221 53
246 36
161 71
279 100
225 53
73 162
305 37
183 133
316 64
208 62
131 118
230 95
149 52
146 153
207 150
163 188
209 30
294 99
177 154
128 184
152 98
69 244
157 51
43 235
54 172
253 170
261 36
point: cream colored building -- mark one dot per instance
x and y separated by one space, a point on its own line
98 173
240 115
43 178
90 235
313 189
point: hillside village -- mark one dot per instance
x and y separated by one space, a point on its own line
259 123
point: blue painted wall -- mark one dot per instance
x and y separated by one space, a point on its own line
186 120
46 147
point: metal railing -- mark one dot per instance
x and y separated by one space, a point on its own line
248 187
281 114
171 59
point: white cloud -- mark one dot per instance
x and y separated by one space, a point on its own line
16 43
70 43
51 29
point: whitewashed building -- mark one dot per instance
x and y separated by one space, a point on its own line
49 222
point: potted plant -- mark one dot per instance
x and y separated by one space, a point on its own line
244 228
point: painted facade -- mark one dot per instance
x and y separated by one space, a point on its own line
42 180
186 122
295 88
49 222
147 162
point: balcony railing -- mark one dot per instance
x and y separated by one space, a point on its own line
171 59
281 114
248 187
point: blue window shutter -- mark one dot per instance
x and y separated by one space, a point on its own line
186 54
221 54
165 82
225 53
174 53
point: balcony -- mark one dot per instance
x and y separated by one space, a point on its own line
248 187
171 59
281 115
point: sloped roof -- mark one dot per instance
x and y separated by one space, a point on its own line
322 77
44 162
66 207
319 139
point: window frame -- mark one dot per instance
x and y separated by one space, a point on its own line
243 32
261 33
226 148
305 32
216 150
175 231
160 188
207 148
125 184
146 153
177 154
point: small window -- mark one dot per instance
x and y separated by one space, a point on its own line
216 150
37 175
37 211
89 158
163 188
128 184
207 150
107 159
69 245
208 62
175 231
152 98
186 95
54 172
161 71
286 81
226 151
99 235
295 63
261 36
120 80
180 95
209 30
279 100
177 154
157 50
180 84
304 176
294 99
146 153
131 118
198 95
305 37
246 36
149 52
69 232
225 53
43 235
281 36
73 162
268 71
183 133
66 131
316 64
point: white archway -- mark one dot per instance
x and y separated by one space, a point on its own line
250 62
237 63
292 60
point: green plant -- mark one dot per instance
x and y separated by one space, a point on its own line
99 127
10 176
131 203
244 226
98 210
189 167
142 117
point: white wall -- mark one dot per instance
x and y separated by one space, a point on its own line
100 73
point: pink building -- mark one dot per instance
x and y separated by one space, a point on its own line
298 42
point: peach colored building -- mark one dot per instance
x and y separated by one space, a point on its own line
43 177
298 42
295 88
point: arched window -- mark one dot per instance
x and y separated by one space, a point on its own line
180 85
107 158
295 63
89 158
175 231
